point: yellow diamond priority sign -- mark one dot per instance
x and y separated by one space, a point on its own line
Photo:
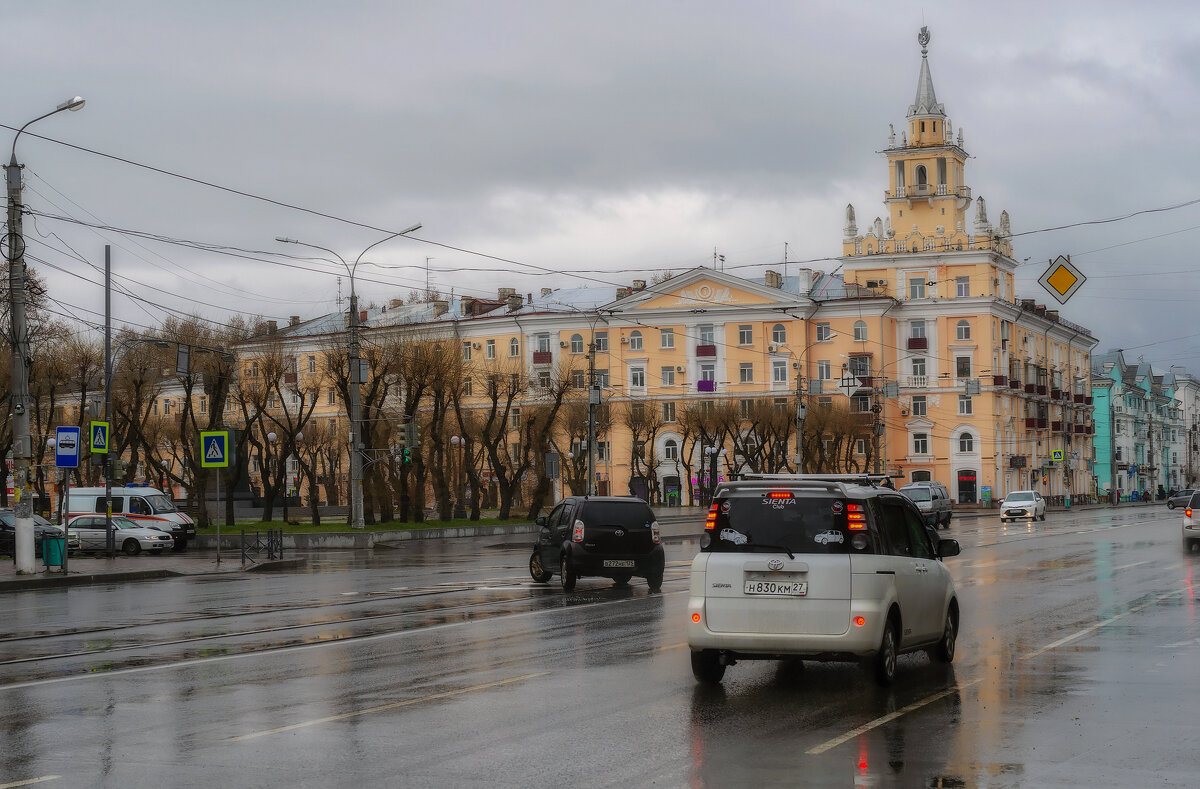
1062 279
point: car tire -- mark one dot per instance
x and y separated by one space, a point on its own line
622 580
131 547
1043 517
654 579
943 652
707 666
567 576
885 658
1170 504
537 570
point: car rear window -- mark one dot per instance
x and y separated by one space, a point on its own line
800 524
916 494
630 514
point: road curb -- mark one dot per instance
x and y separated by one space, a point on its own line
278 564
43 580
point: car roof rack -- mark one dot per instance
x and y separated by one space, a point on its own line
850 479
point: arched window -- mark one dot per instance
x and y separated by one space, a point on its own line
778 334
576 343
671 449
921 177
860 331
514 347
635 341
964 330
966 442
921 476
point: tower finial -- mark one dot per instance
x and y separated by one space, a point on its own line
923 40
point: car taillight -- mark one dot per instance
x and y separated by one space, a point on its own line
577 534
780 494
855 517
710 522
1188 512
654 533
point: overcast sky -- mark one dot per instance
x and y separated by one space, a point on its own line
598 141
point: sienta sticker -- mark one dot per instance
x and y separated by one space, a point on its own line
836 506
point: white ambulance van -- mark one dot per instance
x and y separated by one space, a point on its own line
144 505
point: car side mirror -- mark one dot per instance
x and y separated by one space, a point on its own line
948 547
541 521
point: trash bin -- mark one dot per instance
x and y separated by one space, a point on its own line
53 549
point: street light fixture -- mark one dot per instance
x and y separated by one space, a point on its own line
356 378
22 442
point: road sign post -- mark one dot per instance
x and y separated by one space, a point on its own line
214 453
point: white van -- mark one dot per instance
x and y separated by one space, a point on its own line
144 505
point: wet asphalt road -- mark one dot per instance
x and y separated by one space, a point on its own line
441 664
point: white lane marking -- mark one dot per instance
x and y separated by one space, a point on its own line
29 781
1092 628
382 707
1086 576
891 716
1195 642
337 641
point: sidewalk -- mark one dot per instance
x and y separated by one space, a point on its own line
86 570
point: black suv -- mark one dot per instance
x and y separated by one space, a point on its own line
608 536
42 529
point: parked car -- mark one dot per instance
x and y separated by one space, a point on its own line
42 529
148 507
128 536
933 500
818 567
613 537
1180 499
1023 504
1191 522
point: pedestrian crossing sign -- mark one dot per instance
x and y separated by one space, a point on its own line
1056 455
99 435
214 449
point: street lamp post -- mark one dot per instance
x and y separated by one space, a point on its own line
460 445
356 378
22 442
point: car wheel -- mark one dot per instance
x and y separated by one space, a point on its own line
567 576
707 666
885 658
621 580
1170 505
1043 516
537 570
944 651
131 547
654 579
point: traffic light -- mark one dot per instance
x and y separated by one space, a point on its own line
406 455
119 468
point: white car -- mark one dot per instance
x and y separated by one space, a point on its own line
88 531
1191 522
818 567
1023 504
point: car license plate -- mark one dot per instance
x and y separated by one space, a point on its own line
619 563
777 588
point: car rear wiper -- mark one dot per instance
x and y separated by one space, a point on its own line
783 548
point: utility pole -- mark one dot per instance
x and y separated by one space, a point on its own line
355 392
110 542
22 443
801 413
593 401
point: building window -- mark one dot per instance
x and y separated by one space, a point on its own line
576 343
668 411
601 340
860 446
489 349
823 370
466 351
920 443
635 340
963 330
860 404
543 380
707 335
330 396
637 412
312 364
514 348
962 286
670 449
919 406
666 338
708 372
578 381
916 329
668 375
253 369
779 372
602 378
962 366
543 342
824 402
966 442
745 408
918 366
707 407
514 419
778 334
860 331
916 287
601 450
746 373
922 476
964 404
203 404
637 377
824 334
860 366
781 405
745 335
466 389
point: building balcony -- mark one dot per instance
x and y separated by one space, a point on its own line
1015 383
1031 422
1030 388
706 386
1056 394
1079 428
542 357
1042 390
918 343
1087 400
917 381
1057 426
706 351
1078 399
999 380
1042 424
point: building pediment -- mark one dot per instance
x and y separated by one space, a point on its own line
705 289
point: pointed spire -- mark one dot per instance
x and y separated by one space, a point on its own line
850 229
926 102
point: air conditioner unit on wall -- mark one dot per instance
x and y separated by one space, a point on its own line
680 368
624 340
772 348
561 344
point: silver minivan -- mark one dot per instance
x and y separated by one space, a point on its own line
933 500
